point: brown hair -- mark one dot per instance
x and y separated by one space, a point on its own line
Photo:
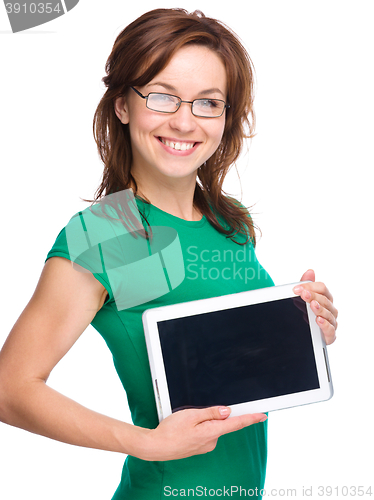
139 53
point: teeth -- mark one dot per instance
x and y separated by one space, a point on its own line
180 146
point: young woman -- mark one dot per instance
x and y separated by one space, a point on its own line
177 108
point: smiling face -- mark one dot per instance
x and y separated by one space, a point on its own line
169 148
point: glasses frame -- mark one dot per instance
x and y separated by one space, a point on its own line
226 106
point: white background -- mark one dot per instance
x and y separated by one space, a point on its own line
308 172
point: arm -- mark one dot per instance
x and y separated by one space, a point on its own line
63 305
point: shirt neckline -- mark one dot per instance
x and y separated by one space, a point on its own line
173 218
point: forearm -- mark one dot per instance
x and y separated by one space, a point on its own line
38 408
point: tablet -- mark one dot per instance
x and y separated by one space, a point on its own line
254 351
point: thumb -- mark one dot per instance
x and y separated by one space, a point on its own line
214 413
222 412
309 275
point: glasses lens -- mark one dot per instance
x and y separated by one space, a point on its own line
208 107
163 102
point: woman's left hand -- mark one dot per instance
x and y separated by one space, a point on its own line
321 302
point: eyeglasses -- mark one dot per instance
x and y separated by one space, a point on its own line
167 103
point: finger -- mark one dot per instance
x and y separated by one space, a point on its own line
212 413
316 288
324 312
216 416
308 295
237 423
309 275
328 330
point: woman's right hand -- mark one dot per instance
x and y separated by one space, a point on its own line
192 432
63 305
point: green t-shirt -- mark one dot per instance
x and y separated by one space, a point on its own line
213 265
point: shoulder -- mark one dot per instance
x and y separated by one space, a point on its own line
81 242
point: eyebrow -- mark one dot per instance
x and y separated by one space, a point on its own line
170 88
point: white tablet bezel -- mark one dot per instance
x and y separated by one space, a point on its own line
160 386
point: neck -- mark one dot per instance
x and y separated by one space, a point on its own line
175 198
174 204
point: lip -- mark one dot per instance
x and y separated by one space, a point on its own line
178 152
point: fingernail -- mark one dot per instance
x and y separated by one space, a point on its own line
298 289
316 304
320 320
307 294
263 419
224 411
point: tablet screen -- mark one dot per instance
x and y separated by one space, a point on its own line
238 355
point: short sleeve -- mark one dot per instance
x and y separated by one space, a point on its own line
61 249
108 240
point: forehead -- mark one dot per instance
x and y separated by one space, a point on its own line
194 68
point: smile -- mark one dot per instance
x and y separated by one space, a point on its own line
179 146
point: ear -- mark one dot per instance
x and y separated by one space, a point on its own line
120 108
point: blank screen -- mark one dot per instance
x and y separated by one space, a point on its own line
238 355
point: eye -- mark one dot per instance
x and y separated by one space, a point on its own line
163 102
209 103
208 107
162 97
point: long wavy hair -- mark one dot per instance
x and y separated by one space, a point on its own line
140 52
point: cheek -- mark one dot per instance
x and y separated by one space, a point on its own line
216 133
145 124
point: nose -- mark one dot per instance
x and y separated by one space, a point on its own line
183 120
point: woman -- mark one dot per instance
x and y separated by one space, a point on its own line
171 123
